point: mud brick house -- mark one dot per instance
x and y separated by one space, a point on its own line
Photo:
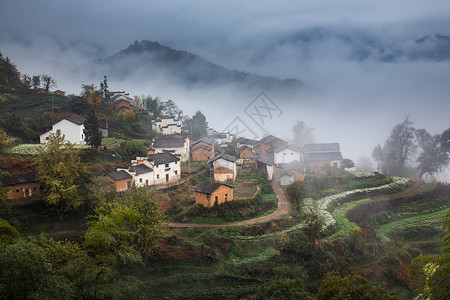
22 186
202 149
177 146
242 141
121 179
213 193
223 167
270 142
293 171
245 152
317 156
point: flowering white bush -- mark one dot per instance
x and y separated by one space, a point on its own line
363 174
324 204
26 149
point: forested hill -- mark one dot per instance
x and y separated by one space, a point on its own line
155 61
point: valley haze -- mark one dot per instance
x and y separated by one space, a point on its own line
358 67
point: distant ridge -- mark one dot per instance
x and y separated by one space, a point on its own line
152 59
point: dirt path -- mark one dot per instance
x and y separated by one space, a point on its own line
282 209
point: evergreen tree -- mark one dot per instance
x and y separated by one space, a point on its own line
93 135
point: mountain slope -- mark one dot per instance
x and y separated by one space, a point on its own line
155 61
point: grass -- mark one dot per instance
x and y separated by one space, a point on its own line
343 223
437 216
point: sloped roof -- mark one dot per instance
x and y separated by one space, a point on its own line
208 187
269 139
223 156
294 165
119 175
264 160
246 141
162 158
201 147
168 142
323 156
278 149
79 120
20 178
141 169
331 147
205 140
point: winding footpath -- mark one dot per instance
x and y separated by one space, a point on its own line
282 209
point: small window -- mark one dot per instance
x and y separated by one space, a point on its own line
216 198
157 176
176 172
17 190
140 179
167 165
226 197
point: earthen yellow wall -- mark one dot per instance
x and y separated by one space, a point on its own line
14 195
222 174
220 193
120 185
246 153
202 155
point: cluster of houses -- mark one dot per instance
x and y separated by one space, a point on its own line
222 152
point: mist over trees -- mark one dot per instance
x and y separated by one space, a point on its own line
303 134
410 151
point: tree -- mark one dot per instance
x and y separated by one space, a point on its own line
313 225
347 163
377 155
295 193
92 133
48 82
302 134
26 80
364 164
104 92
91 94
36 81
433 157
335 287
197 126
399 148
286 288
171 109
154 106
62 174
26 274
137 103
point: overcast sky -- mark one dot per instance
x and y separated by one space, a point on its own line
352 102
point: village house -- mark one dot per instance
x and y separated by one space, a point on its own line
177 146
322 155
270 142
142 175
21 186
285 154
213 193
223 138
60 93
166 168
121 95
265 163
223 167
166 125
121 179
245 152
242 141
122 104
202 149
72 127
293 171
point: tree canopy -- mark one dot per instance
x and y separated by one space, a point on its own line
92 133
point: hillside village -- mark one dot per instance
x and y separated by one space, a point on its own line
130 189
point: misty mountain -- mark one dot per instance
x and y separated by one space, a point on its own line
154 61
366 45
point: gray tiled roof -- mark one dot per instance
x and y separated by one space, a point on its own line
162 158
323 156
120 175
208 187
246 141
20 178
168 142
264 160
269 139
205 140
294 165
79 120
223 156
201 147
325 147
140 169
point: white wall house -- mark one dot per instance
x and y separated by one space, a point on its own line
223 166
177 146
72 127
142 175
166 125
286 154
